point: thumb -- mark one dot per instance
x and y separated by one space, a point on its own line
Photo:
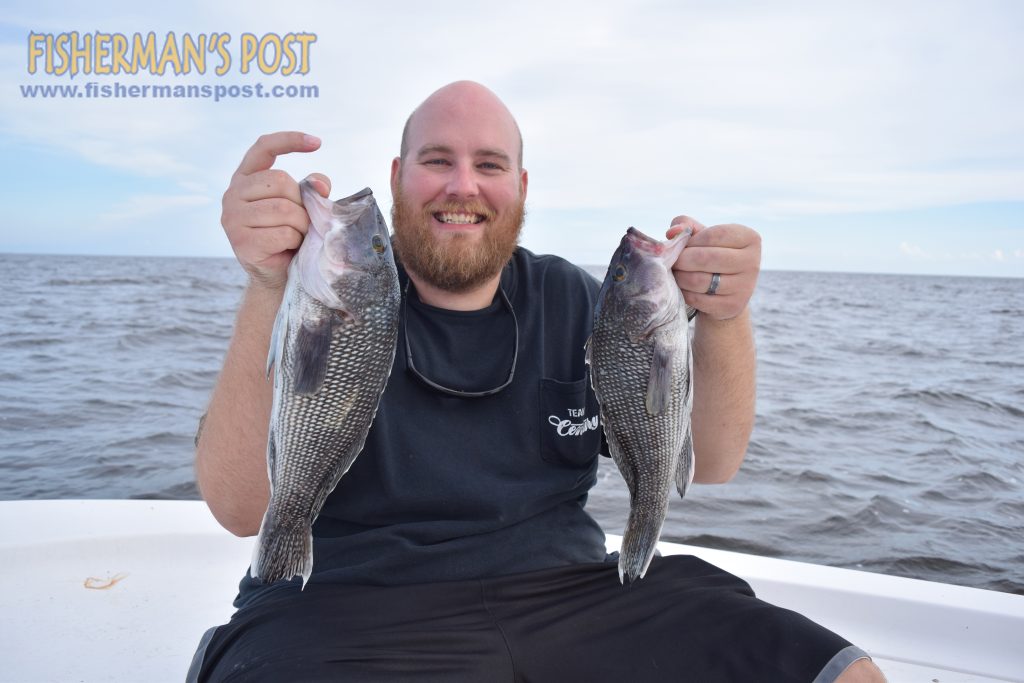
681 223
320 183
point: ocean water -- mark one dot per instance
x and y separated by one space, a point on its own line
889 436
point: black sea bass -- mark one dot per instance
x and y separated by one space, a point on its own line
331 352
640 367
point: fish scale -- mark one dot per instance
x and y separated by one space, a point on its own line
332 350
333 421
641 368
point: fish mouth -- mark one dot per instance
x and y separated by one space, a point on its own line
642 242
668 251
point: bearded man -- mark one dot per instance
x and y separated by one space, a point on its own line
458 547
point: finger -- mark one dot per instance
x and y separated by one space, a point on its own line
263 243
716 305
320 183
277 239
699 283
715 260
680 223
267 148
728 235
267 251
267 213
266 184
276 183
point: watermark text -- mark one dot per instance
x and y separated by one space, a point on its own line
216 92
73 53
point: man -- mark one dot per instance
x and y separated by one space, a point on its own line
457 547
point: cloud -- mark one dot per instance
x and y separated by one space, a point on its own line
914 251
147 206
917 253
784 107
769 112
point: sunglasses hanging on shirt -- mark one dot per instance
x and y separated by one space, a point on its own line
459 393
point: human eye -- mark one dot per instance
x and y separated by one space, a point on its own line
435 162
490 166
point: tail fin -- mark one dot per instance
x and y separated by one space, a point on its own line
639 543
283 550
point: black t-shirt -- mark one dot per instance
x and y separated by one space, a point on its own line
449 488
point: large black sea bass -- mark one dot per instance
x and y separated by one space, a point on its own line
331 352
640 367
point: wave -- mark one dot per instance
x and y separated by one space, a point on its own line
892 430
888 479
927 565
147 441
984 482
184 490
96 282
31 343
880 513
948 399
811 477
740 545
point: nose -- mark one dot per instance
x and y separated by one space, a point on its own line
462 181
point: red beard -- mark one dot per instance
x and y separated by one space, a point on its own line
454 262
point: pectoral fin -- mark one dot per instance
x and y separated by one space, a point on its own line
312 349
659 384
273 354
271 456
685 465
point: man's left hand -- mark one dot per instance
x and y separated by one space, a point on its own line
733 251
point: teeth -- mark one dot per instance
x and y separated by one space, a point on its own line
459 218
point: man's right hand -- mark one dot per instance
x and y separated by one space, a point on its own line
262 212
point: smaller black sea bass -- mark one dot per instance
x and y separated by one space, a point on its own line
640 367
331 352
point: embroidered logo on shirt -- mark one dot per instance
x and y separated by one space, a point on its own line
566 427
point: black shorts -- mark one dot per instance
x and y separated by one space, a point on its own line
685 621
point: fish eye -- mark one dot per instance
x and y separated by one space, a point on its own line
619 274
378 244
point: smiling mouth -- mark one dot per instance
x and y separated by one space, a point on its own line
458 218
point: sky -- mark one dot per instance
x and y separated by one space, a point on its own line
857 137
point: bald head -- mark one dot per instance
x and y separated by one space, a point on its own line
459 100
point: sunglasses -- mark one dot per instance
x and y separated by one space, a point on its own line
459 393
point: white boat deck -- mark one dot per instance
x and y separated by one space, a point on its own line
171 572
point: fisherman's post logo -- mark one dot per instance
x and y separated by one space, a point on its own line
102 55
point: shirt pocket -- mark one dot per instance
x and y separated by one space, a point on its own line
570 429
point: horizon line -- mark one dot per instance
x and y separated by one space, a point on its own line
581 265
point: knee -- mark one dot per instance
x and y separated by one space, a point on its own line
862 671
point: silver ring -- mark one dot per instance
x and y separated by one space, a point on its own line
715 279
